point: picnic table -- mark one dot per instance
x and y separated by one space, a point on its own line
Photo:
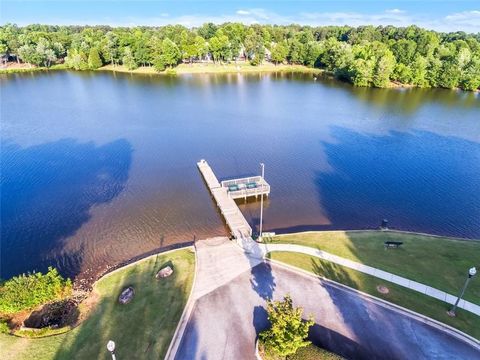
392 244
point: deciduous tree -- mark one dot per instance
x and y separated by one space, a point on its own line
288 331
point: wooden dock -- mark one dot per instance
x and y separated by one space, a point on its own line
224 194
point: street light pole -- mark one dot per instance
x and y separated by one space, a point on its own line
471 273
262 165
111 348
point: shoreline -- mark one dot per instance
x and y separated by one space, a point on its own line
187 244
191 245
210 68
200 68
183 69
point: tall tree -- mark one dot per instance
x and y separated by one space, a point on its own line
170 53
128 59
254 47
94 60
279 52
219 47
201 47
111 47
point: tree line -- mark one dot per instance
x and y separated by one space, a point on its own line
364 56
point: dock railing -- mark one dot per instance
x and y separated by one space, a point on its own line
246 187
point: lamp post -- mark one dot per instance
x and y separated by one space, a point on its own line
262 165
471 273
111 348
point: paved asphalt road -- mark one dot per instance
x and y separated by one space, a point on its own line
224 323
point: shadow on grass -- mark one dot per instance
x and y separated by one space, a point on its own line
142 328
334 272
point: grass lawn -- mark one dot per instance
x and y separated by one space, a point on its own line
199 68
439 262
27 69
436 309
141 329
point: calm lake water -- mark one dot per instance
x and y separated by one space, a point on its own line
99 168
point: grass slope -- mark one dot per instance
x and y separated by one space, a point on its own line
440 262
435 309
141 329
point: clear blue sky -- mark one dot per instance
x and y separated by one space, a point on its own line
438 15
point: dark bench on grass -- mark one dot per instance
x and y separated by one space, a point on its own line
392 244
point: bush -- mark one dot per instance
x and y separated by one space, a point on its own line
27 291
288 331
171 72
4 329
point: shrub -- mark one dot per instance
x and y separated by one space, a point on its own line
288 331
27 291
4 329
171 72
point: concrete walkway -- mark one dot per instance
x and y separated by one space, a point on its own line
413 285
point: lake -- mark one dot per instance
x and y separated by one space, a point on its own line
98 168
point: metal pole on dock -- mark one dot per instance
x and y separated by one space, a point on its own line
261 203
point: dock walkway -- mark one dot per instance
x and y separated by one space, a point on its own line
234 218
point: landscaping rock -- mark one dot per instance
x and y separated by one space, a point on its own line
126 296
165 272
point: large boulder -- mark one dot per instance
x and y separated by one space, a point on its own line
126 296
165 272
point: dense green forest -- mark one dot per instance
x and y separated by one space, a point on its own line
364 56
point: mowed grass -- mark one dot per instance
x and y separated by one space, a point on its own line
435 309
439 262
141 329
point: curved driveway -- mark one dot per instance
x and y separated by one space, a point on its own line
224 322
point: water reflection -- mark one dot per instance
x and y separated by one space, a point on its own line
406 178
47 193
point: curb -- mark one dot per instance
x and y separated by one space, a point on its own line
182 323
399 309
